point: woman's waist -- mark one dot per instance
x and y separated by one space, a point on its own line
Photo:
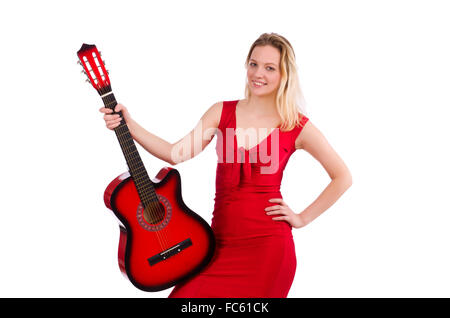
244 240
227 230
246 218
244 199
246 192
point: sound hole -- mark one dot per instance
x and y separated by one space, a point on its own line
154 213
155 216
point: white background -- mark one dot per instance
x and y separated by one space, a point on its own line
375 75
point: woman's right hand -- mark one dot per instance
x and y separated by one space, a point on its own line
113 120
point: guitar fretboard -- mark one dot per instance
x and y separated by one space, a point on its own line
137 170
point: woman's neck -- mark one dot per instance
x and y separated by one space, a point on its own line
261 104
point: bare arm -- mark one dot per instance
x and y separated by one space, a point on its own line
155 145
313 141
184 149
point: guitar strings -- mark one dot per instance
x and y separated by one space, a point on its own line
145 197
136 160
147 206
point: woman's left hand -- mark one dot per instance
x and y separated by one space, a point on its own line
295 220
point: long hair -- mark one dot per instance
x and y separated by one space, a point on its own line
289 99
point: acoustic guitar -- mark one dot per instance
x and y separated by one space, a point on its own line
162 242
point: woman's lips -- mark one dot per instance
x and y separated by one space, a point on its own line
258 83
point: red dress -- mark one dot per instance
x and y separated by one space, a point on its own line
255 255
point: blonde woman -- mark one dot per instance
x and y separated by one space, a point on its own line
255 253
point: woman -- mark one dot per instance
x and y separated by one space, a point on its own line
255 254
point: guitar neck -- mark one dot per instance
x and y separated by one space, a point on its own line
136 167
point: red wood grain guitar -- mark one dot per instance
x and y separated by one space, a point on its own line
162 242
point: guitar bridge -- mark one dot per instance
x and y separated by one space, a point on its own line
177 248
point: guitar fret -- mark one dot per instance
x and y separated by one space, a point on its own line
133 162
122 134
131 152
135 165
147 197
150 199
136 161
139 173
127 144
140 169
112 103
141 178
126 147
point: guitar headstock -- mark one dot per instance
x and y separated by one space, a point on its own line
94 67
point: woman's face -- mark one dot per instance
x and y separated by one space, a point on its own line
263 71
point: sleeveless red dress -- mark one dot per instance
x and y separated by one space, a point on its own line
255 255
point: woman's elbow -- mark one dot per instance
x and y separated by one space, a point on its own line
348 179
177 154
172 159
345 178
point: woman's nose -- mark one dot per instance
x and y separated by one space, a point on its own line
259 72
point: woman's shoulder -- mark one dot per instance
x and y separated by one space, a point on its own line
216 111
221 111
302 119
212 114
223 106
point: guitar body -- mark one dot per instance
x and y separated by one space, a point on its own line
185 238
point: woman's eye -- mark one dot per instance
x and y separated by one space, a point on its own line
252 64
269 68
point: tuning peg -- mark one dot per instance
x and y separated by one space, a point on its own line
79 62
83 72
87 80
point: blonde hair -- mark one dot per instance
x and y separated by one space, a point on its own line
289 99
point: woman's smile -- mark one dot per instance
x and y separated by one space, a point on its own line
258 84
